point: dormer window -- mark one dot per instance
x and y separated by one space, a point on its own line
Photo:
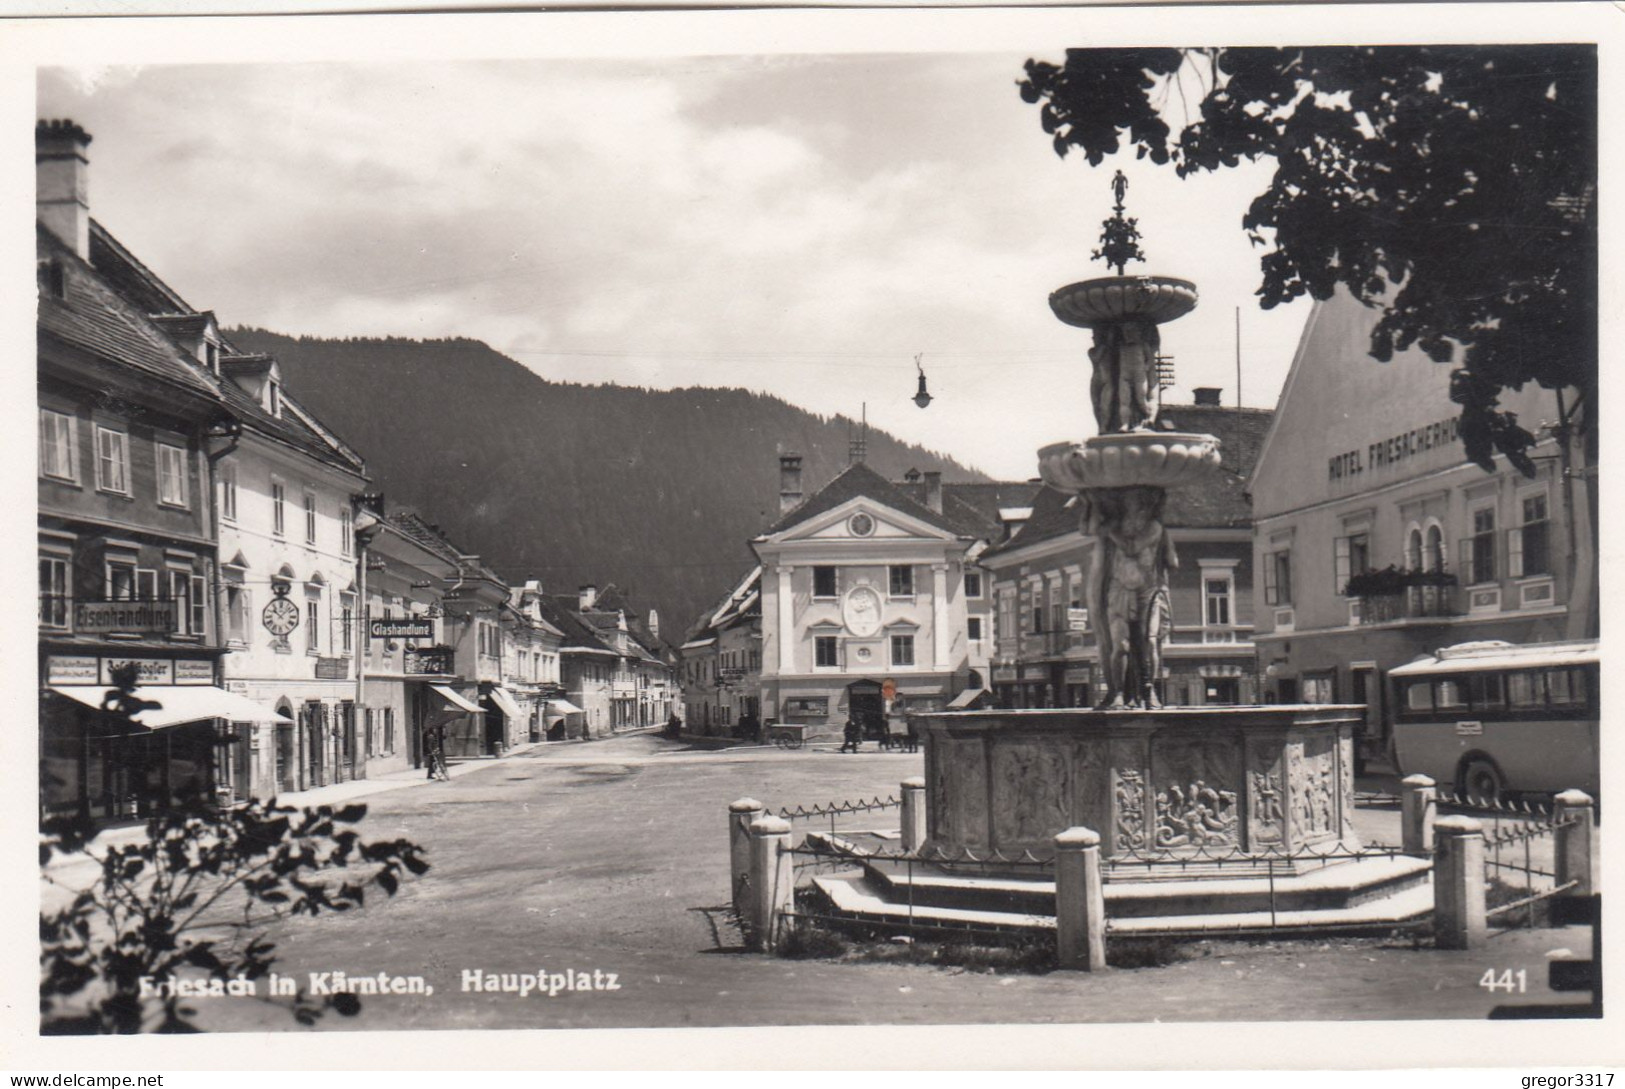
273 398
211 356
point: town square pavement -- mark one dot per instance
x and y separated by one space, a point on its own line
610 857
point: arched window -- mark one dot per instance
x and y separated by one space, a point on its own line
1435 548
1413 549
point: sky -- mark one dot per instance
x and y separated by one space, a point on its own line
798 224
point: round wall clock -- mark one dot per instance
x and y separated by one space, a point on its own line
280 617
860 524
862 611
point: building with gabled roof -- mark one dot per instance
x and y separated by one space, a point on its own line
863 597
722 662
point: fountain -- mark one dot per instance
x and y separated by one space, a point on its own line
1208 818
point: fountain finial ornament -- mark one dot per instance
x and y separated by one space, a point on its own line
1119 235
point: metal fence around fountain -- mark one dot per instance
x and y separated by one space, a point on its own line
1516 879
833 811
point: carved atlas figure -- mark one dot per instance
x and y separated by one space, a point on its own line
1128 587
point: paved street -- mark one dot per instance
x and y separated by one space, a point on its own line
611 857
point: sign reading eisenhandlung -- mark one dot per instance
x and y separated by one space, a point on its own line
401 627
101 617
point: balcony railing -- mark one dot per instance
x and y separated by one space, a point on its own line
1411 603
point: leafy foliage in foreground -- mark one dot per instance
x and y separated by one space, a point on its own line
193 900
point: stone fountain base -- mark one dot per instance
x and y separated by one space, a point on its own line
1163 784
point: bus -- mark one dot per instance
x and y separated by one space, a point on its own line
1489 719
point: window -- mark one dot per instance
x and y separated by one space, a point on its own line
200 605
1433 550
58 438
236 604
826 652
146 584
1007 616
347 623
180 592
1413 550
1057 608
1565 686
120 580
1528 551
279 508
310 518
1319 688
973 628
112 461
1419 696
228 491
1217 595
973 583
273 398
902 650
1352 556
1036 603
1524 689
1278 578
902 580
1479 550
1450 695
55 592
823 582
346 531
172 483
313 622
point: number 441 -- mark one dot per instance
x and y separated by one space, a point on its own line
1506 980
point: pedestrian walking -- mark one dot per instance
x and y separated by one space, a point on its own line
434 752
853 736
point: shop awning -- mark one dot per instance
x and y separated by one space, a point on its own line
178 703
450 695
501 697
563 707
966 698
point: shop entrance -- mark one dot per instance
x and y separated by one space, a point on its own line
866 707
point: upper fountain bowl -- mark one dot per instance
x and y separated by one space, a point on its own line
1123 298
1160 459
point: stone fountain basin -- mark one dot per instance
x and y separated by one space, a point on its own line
1111 299
1008 781
1163 459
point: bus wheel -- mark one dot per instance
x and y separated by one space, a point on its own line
1481 781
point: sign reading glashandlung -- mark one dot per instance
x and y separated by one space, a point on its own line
101 617
401 627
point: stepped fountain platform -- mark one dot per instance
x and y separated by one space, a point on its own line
1372 891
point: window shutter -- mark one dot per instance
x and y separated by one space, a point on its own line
1468 574
1515 552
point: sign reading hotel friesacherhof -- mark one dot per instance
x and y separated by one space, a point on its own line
400 627
136 617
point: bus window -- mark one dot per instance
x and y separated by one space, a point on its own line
1451 694
1565 686
1524 689
1485 689
1419 696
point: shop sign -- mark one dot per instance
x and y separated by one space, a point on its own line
437 660
101 617
194 671
332 669
1078 675
147 670
1004 674
401 627
72 669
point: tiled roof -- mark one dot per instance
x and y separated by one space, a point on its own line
974 507
93 316
140 288
559 610
860 480
1223 503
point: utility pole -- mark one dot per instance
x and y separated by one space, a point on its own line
1238 357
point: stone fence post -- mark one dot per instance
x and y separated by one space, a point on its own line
1459 921
913 813
1080 902
1419 808
772 880
741 815
1574 841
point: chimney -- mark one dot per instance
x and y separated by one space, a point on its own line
587 597
654 623
933 491
1207 395
533 586
789 482
61 182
